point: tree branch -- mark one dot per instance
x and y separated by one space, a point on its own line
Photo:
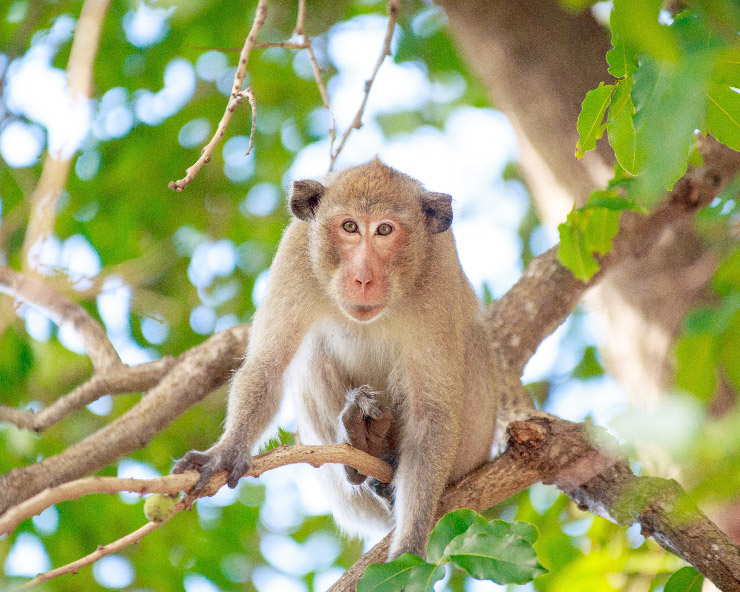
173 484
546 293
195 374
583 462
55 171
116 380
62 311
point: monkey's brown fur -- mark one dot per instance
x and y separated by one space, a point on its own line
352 303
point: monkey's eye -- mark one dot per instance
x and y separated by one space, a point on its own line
384 229
350 226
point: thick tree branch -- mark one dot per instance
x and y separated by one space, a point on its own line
585 465
197 372
547 291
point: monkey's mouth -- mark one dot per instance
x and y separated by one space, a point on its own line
363 312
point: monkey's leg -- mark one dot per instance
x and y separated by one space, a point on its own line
366 422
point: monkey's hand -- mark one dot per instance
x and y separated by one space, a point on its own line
222 456
366 422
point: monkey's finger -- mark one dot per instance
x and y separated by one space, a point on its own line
206 472
192 460
353 475
241 466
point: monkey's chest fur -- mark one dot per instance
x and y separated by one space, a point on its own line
334 358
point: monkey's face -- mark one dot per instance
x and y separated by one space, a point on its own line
365 247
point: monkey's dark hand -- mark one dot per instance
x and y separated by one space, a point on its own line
220 457
366 422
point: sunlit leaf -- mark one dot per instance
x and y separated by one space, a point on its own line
423 577
723 115
590 121
621 58
696 357
621 130
485 552
448 527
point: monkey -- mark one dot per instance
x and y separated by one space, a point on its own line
371 325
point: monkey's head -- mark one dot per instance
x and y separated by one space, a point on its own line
371 232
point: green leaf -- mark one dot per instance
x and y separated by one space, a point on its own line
590 121
448 527
686 579
589 366
723 115
574 254
696 357
488 552
727 67
635 23
729 352
670 101
423 577
391 576
621 58
727 277
524 530
621 130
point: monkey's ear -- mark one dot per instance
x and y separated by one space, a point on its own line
305 198
438 211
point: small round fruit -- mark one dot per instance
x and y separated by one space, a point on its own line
158 507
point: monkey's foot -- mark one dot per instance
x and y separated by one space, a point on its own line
366 422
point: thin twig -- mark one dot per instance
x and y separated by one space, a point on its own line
173 484
62 311
116 380
393 8
236 96
249 94
101 551
300 31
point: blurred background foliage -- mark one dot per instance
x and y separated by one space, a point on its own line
162 270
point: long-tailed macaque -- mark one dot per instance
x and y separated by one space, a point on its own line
371 324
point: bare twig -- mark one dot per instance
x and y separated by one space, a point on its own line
300 31
173 484
237 94
249 94
62 311
393 8
101 551
116 380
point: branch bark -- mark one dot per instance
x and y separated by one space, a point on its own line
585 465
197 372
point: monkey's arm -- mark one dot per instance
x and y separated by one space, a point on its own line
256 390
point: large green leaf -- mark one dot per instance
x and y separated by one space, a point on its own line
391 576
621 130
686 579
621 58
591 124
423 577
449 526
696 357
723 115
485 552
